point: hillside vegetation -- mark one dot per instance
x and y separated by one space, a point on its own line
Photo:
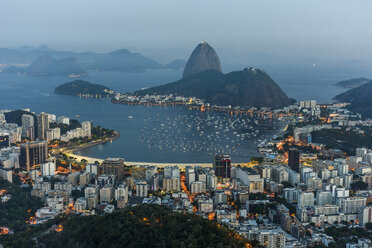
249 87
143 226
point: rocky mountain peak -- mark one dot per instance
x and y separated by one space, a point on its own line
203 58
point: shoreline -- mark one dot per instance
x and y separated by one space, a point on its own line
270 113
182 165
70 152
71 149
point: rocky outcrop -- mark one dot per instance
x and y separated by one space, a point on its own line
203 58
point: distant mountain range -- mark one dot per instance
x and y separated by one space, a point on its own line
360 99
202 78
124 60
353 83
45 61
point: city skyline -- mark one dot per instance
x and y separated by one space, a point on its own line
186 124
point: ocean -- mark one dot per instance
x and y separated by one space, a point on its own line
162 134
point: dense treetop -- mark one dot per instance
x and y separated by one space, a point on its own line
143 226
81 87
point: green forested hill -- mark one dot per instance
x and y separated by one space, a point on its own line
81 87
142 226
249 87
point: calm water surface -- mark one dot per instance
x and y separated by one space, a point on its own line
159 134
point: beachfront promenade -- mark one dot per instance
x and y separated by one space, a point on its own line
69 151
160 165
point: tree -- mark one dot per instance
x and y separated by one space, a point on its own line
257 196
369 225
286 184
77 193
257 159
156 224
359 185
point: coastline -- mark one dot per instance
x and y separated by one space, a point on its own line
272 113
70 152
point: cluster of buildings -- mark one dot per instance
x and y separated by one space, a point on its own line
45 132
26 146
285 201
155 99
220 192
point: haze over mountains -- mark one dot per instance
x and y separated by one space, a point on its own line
45 61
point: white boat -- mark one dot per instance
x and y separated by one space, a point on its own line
130 117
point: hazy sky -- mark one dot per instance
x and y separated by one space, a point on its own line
170 29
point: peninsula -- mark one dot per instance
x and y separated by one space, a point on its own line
203 79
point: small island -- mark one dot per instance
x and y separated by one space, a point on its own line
83 88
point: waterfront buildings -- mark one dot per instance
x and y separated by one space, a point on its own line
285 198
113 166
63 120
87 127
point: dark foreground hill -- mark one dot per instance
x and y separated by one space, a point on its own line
360 99
80 87
250 87
142 226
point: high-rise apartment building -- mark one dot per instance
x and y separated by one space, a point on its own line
32 154
27 122
113 166
141 189
87 127
42 125
294 159
222 167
